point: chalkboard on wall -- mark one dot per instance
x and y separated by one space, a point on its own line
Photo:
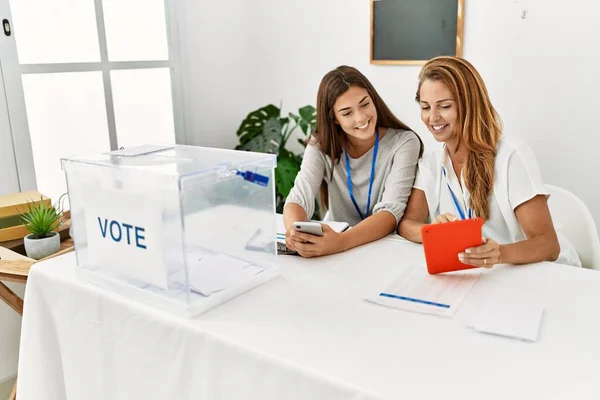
413 31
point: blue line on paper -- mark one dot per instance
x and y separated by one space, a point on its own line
430 303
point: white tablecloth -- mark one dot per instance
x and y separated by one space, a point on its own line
309 335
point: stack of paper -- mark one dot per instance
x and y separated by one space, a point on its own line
11 208
415 290
511 317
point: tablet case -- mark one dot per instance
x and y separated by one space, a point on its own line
443 242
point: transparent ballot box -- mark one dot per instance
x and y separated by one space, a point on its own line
184 228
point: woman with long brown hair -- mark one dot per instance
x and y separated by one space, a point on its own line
479 172
361 159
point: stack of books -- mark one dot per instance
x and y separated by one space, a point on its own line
11 208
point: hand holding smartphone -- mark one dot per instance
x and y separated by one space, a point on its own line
313 228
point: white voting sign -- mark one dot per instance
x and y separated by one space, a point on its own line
124 233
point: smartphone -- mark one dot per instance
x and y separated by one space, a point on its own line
313 228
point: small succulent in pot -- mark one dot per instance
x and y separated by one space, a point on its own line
41 220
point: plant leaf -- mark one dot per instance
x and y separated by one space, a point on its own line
41 219
307 119
302 142
254 123
266 142
288 165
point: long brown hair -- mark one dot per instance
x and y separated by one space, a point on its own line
478 124
330 137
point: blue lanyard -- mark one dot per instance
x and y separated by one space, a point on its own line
348 173
454 199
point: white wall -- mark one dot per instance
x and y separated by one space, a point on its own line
541 71
214 50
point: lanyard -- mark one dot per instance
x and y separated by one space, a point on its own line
348 173
454 199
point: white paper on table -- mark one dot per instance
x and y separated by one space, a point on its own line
214 273
415 290
337 226
510 317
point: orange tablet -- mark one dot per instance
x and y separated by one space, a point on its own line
443 242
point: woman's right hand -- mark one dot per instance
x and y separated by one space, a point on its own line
308 245
441 219
289 242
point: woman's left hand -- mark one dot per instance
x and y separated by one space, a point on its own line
487 255
308 245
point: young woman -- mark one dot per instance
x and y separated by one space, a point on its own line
361 159
479 172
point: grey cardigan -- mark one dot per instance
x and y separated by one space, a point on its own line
395 171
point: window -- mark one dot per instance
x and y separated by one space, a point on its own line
97 75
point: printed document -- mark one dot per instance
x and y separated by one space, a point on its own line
415 290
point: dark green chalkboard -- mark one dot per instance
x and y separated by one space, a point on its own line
413 31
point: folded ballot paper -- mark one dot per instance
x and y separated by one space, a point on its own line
213 273
510 317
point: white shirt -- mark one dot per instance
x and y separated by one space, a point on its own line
517 179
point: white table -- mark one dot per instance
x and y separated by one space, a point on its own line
309 335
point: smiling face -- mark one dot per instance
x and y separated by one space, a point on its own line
355 112
439 110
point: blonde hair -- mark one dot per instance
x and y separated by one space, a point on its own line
478 124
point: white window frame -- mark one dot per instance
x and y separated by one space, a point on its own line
22 143
18 127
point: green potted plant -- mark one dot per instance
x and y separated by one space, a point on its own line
41 220
266 131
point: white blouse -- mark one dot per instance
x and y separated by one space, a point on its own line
517 179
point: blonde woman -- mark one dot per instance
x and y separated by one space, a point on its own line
479 172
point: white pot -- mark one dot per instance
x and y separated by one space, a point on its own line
40 248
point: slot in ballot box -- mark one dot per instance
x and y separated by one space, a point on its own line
184 228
